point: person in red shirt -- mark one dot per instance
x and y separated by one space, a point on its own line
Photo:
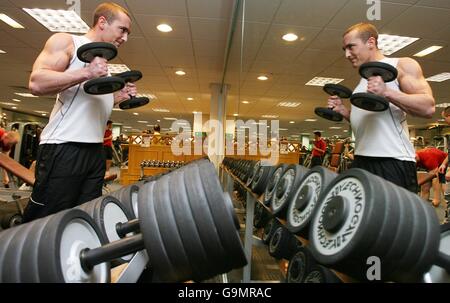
433 159
107 146
7 140
318 150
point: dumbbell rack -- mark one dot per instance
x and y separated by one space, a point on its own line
227 179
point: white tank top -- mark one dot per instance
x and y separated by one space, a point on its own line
77 116
381 134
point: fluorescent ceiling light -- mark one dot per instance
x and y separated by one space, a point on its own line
11 22
245 102
263 78
321 81
180 73
27 95
117 68
189 98
2 52
345 130
40 111
14 107
66 21
443 105
270 116
172 119
282 128
136 114
235 115
439 77
390 44
428 51
7 103
117 109
127 126
142 121
290 37
43 114
310 120
291 122
17 100
165 28
289 104
158 120
335 127
161 110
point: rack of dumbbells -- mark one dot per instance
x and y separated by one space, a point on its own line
170 165
179 226
354 226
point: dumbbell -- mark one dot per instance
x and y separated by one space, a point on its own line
132 76
300 265
361 215
101 85
369 101
333 90
272 182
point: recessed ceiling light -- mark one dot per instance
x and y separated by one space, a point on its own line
321 81
43 114
165 28
428 51
180 73
245 102
290 37
289 104
439 77
235 115
189 98
390 44
136 114
10 21
291 122
2 52
263 78
117 68
67 21
158 120
27 95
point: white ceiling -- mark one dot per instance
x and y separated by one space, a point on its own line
198 45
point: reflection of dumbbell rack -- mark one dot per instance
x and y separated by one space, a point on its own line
255 201
154 167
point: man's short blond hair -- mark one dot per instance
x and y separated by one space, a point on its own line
109 10
365 31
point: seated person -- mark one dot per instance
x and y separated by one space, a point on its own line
432 159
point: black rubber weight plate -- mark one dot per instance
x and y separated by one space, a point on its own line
134 102
370 102
9 258
386 71
159 260
130 76
170 231
103 85
328 113
337 90
204 221
89 51
187 228
225 225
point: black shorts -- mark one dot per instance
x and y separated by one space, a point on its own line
108 152
401 173
67 175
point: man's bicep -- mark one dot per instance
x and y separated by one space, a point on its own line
412 80
55 55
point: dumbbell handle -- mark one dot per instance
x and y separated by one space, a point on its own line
91 257
123 229
443 260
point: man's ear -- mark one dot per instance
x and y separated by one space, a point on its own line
372 42
102 22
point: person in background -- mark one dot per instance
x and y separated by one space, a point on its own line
318 150
7 140
107 146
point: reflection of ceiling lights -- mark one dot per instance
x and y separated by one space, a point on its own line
439 77
11 22
27 95
390 44
263 78
66 21
428 51
180 73
290 37
321 81
161 110
165 28
117 68
289 104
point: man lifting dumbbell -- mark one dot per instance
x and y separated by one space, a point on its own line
378 119
70 164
